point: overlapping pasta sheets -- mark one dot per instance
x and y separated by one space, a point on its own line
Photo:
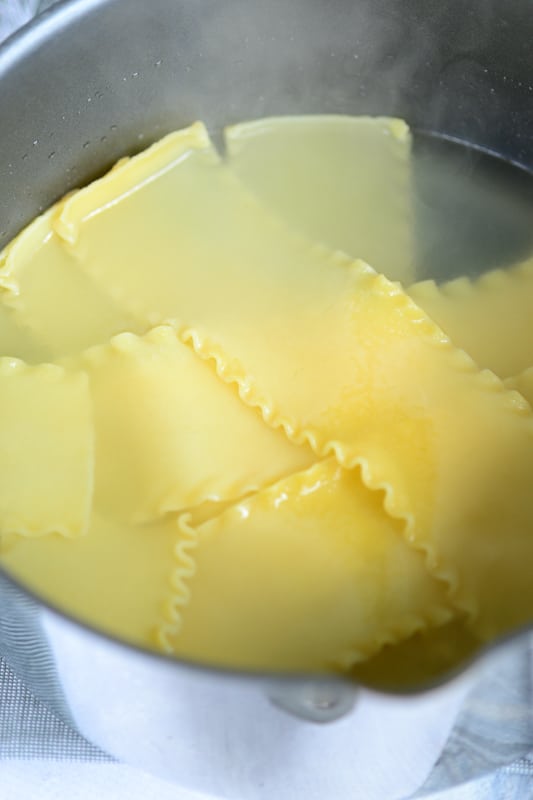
450 447
16 341
307 574
343 181
45 293
327 350
173 235
489 317
300 465
114 578
170 435
46 450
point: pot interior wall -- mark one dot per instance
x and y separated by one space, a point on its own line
99 79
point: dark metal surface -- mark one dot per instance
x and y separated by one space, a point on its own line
97 78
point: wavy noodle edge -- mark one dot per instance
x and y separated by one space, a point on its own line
231 372
51 371
234 494
126 343
493 280
432 618
13 526
183 570
513 381
295 483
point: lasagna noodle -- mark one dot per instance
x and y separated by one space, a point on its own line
489 317
170 435
452 449
344 181
49 296
46 450
329 351
16 341
308 574
141 233
115 578
522 383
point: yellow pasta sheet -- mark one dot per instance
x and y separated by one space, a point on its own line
173 235
46 450
452 449
344 181
308 574
16 341
115 578
47 294
170 435
489 317
522 383
329 351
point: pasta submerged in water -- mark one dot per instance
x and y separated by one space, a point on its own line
254 449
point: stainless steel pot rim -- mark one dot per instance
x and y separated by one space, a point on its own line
12 51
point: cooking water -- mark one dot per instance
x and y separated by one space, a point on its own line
473 210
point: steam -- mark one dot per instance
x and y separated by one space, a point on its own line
419 59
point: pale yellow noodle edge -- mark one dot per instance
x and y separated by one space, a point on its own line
495 279
211 352
240 132
125 343
512 383
185 569
457 359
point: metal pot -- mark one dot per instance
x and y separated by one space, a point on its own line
92 80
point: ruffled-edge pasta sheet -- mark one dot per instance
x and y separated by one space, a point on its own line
343 181
523 383
328 350
489 317
47 300
46 450
170 435
449 445
114 578
310 573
